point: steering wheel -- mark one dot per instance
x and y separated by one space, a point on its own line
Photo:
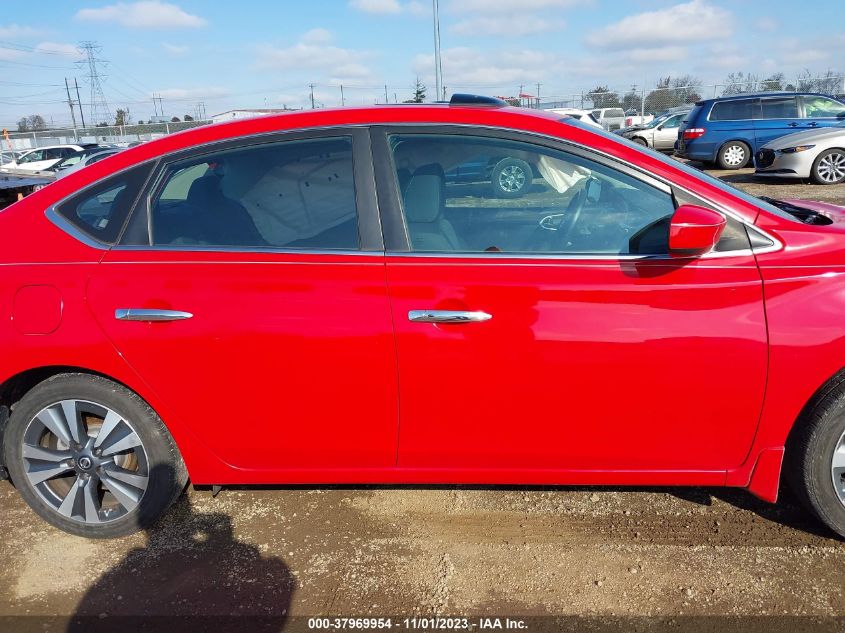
573 211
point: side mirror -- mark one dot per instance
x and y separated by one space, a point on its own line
694 230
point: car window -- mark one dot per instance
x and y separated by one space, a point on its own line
53 153
70 160
476 194
33 157
100 211
673 121
98 157
822 107
735 110
293 194
779 108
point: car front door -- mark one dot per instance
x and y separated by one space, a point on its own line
551 332
822 111
249 292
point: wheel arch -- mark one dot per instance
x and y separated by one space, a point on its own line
16 386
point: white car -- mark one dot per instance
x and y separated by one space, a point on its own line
41 158
610 118
585 116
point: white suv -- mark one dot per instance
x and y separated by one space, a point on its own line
43 157
610 118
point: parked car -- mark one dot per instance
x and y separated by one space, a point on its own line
44 157
509 177
610 118
82 159
729 130
258 308
815 154
660 134
585 116
8 156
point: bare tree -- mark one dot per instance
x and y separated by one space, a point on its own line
604 97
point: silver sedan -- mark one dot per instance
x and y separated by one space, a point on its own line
816 154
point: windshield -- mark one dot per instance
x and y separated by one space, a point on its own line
657 120
712 180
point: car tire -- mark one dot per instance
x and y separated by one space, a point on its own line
829 167
815 459
511 178
101 487
640 141
734 155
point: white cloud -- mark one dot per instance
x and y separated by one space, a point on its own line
766 23
315 51
468 67
695 21
15 31
55 48
376 6
174 49
147 14
660 54
507 25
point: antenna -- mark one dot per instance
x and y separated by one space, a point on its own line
100 111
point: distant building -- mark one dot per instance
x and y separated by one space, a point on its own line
245 113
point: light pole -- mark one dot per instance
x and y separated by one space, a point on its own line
438 68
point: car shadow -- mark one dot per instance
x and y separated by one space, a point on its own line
193 574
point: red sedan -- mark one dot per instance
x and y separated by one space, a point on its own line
311 298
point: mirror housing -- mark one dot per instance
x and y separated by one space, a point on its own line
694 230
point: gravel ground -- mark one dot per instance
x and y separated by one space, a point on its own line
600 559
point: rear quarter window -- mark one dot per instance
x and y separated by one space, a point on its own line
100 211
737 110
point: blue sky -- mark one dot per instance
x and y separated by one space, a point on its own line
257 53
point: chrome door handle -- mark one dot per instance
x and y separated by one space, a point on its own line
143 314
447 316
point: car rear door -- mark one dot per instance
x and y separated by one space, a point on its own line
531 340
779 116
249 292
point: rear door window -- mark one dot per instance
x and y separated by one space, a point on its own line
780 108
291 194
735 110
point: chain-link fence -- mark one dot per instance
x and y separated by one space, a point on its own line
99 134
639 101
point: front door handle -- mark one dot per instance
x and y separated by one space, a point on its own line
447 316
144 314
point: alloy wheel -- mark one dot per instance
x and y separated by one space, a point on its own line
512 179
831 168
85 461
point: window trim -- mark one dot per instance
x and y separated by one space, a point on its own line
397 240
71 228
369 226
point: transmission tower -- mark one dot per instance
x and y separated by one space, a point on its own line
100 111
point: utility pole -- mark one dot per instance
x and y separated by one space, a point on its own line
342 99
521 92
386 98
538 94
312 95
438 67
79 101
70 104
155 105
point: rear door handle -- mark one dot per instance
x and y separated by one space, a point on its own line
143 314
447 316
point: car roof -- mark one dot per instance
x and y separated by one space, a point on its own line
773 93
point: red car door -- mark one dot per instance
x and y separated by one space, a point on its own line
541 326
257 311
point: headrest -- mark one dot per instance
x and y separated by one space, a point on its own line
424 194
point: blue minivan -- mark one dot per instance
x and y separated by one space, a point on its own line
729 130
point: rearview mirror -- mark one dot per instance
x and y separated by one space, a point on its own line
694 230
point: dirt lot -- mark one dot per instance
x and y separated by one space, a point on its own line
603 559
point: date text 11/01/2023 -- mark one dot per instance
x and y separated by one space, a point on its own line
419 623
